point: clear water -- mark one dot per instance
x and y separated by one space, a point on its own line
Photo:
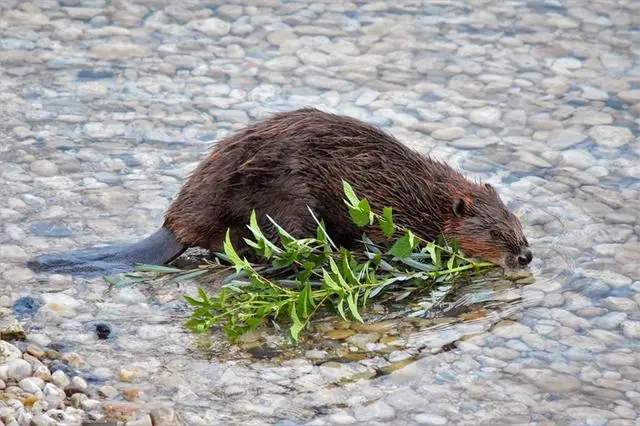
122 99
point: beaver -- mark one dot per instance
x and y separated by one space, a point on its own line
294 161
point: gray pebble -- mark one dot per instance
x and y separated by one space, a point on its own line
31 384
8 352
18 369
378 410
430 419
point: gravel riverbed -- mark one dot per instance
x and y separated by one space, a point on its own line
107 105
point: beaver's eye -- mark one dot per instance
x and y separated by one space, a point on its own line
495 234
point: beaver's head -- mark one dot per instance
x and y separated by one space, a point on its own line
486 229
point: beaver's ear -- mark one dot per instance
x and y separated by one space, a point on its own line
459 207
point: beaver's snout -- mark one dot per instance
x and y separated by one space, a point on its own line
525 257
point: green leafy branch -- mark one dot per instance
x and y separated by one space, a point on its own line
297 277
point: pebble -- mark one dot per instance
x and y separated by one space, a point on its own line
486 117
31 384
563 139
552 382
449 133
8 352
18 369
611 137
621 304
44 168
591 118
107 107
212 27
629 96
430 419
631 329
119 51
378 410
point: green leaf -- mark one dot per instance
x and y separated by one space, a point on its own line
329 282
405 245
352 198
341 309
158 269
285 237
361 214
426 267
386 222
434 252
194 302
203 296
353 305
346 268
238 263
451 262
190 275
297 325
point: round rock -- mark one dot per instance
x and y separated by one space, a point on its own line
611 136
448 133
18 369
44 168
8 352
486 116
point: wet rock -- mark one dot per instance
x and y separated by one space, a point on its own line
590 413
50 229
620 304
18 369
580 159
109 392
591 118
43 420
611 136
8 352
26 306
631 329
165 417
60 379
315 354
486 116
430 419
378 410
141 421
550 381
119 51
79 384
362 340
74 360
44 168
31 384
448 133
77 399
10 328
43 373
335 371
629 96
212 27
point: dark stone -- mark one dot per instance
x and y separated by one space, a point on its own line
615 103
429 97
103 330
87 75
26 306
542 7
50 229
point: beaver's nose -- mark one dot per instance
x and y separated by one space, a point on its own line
525 256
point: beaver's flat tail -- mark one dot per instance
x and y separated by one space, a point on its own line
159 248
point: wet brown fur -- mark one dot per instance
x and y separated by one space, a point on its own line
297 159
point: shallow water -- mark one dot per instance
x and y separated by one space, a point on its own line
106 106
